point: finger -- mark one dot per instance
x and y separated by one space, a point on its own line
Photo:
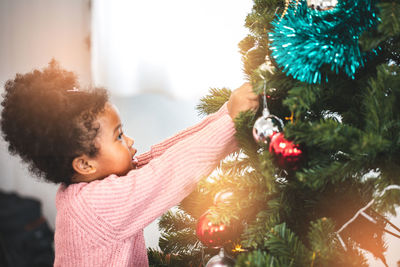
253 97
253 106
254 109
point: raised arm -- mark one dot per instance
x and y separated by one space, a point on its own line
119 207
158 149
241 99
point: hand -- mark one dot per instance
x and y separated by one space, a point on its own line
242 99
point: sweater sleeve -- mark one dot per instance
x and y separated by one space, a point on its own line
158 149
118 207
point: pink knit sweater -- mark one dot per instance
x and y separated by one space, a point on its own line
101 223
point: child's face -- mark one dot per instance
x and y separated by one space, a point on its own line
115 148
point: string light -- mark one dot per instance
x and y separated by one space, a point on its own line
238 248
287 3
313 259
362 213
290 118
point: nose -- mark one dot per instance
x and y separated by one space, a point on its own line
129 141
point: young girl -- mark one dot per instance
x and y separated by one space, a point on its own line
107 195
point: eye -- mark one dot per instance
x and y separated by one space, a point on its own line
120 134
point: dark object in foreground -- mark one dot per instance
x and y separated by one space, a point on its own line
25 237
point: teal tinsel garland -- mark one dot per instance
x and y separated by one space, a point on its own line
305 39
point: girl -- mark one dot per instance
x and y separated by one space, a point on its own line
107 195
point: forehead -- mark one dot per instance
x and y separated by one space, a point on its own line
109 117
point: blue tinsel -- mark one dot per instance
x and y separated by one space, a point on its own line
305 39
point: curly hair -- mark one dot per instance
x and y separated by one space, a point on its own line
48 122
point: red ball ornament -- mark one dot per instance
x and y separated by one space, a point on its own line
211 235
287 153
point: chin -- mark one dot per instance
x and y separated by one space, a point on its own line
131 167
123 171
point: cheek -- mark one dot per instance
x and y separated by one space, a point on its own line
124 154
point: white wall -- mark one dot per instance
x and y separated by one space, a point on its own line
175 47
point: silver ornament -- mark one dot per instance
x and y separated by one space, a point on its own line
221 260
265 126
321 4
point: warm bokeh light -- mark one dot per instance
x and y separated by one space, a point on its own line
238 248
179 48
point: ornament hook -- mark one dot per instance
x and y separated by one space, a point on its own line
265 113
265 104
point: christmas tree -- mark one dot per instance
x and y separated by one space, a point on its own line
319 164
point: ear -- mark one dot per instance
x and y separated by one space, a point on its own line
83 165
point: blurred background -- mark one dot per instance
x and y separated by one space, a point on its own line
157 59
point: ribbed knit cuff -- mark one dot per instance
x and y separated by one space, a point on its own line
143 159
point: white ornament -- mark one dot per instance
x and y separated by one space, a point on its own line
267 66
322 4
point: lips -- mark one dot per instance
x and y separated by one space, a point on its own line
135 161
